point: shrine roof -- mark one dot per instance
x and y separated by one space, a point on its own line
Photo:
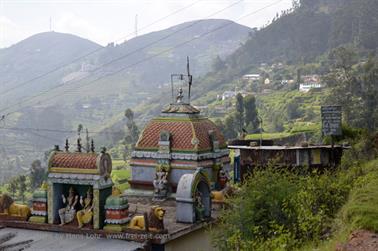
74 160
187 134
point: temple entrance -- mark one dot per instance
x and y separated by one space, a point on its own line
193 197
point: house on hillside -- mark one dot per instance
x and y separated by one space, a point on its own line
306 87
228 95
251 77
310 82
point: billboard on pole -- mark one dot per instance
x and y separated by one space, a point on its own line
331 120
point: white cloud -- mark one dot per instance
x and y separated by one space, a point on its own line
104 21
69 22
11 33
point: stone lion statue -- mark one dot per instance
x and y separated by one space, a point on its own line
9 208
155 220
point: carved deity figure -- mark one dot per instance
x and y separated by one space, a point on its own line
161 184
223 178
199 207
85 215
67 214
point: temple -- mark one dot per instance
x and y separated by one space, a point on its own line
179 174
176 143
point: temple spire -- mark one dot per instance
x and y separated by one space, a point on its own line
183 80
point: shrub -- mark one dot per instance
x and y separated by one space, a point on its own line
281 210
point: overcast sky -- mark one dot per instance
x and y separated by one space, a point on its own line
105 21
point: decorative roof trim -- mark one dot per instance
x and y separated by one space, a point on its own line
73 170
179 119
182 156
97 181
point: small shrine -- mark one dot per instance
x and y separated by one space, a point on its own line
179 172
78 180
174 144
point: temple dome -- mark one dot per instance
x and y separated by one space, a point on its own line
189 132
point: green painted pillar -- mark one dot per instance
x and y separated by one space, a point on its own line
96 208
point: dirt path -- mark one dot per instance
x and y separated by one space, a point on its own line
360 240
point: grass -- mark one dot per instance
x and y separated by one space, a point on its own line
120 178
119 164
359 212
277 135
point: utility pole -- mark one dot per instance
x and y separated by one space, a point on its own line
136 25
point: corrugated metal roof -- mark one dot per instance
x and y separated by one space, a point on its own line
272 148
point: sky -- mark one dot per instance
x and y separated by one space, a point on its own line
105 21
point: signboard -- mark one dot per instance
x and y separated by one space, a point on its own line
331 120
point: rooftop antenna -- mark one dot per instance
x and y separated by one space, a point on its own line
190 77
92 146
67 147
182 77
136 25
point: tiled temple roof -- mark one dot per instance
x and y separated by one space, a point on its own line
74 160
187 134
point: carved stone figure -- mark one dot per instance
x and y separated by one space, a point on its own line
155 220
160 184
85 215
67 214
9 208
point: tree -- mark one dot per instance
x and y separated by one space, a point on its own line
370 93
133 131
37 174
251 115
240 111
218 64
229 127
12 186
353 86
22 186
292 110
79 129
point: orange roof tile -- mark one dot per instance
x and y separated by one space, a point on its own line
182 134
74 160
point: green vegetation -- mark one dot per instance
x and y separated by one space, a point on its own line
120 178
359 212
278 135
289 210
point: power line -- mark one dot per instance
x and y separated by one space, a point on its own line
148 58
27 129
123 57
94 51
202 35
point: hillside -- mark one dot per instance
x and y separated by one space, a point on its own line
310 30
37 55
201 49
100 103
